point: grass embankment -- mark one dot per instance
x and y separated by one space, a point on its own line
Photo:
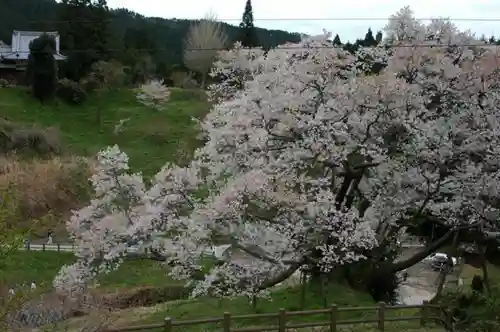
150 137
42 267
46 190
286 298
23 267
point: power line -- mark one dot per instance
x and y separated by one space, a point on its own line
284 48
458 19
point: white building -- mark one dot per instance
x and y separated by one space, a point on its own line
15 56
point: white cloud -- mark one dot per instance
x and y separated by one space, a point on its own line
307 11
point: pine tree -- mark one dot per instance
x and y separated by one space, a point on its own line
42 67
248 32
337 41
369 39
84 35
378 37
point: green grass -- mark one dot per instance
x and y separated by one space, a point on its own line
286 298
150 137
23 267
42 267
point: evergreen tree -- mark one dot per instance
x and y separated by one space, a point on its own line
378 37
84 35
42 67
248 32
337 41
369 39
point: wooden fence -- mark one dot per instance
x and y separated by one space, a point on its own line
283 316
48 247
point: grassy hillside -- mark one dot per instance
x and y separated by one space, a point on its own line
45 191
150 137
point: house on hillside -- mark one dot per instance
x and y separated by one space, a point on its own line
14 57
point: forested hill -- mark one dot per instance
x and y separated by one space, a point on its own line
164 35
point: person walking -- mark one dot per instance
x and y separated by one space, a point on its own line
49 235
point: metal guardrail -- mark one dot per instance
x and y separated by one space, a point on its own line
69 247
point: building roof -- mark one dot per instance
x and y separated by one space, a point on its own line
35 33
19 48
22 56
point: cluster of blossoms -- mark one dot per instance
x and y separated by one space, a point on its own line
153 94
311 158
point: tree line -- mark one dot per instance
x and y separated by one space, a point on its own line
90 31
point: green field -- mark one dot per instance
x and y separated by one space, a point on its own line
150 137
42 267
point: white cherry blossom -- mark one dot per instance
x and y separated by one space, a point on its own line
300 139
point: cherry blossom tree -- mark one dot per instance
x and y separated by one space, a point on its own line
313 159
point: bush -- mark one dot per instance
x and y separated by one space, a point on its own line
145 296
178 77
188 95
4 83
71 92
182 79
153 94
90 84
107 74
44 189
31 141
472 311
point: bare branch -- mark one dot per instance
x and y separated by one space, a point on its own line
203 41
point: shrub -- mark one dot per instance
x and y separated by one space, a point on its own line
71 92
41 142
145 296
32 141
472 311
190 83
90 84
154 94
107 74
4 83
178 78
188 95
44 188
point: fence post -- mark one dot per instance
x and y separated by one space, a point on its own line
381 316
43 247
333 318
226 324
424 312
282 320
168 324
58 247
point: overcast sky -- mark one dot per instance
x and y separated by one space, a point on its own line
311 16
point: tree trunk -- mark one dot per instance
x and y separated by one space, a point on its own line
203 80
486 280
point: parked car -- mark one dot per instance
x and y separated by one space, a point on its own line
438 260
